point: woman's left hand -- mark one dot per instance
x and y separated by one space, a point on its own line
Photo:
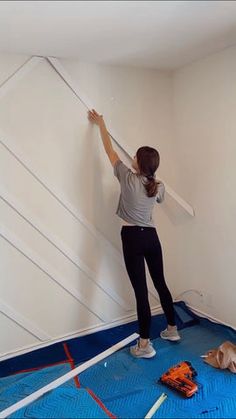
94 117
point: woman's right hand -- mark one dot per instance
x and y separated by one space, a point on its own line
94 117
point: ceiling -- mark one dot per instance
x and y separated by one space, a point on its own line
153 34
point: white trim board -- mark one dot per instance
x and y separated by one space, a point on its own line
55 193
93 329
9 83
51 189
55 241
58 195
18 74
55 63
48 270
23 322
63 249
68 376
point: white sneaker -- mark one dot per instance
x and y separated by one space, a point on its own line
172 335
147 352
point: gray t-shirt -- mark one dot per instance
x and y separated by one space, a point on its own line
134 206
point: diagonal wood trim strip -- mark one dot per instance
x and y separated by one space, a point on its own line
22 71
16 153
36 260
55 63
23 322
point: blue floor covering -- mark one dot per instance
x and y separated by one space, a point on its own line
128 387
85 347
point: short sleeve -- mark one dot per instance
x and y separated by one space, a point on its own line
160 192
120 170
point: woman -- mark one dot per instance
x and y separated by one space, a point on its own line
139 192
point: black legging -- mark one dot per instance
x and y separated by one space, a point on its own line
141 243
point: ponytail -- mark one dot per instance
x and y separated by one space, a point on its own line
151 186
148 160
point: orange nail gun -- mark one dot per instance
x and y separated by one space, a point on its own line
180 377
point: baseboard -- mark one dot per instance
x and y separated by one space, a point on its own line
117 322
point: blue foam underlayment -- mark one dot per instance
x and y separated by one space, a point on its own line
16 387
85 347
128 387
63 403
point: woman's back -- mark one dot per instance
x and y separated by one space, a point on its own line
135 207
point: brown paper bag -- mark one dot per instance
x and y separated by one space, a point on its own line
223 357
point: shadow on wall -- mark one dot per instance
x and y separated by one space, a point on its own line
176 215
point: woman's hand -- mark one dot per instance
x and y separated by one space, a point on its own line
94 117
97 119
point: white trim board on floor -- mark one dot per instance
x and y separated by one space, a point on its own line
66 377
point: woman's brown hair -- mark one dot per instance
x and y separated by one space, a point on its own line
148 160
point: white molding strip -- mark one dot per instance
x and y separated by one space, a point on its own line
93 329
68 376
14 78
9 76
55 63
50 272
11 82
56 242
75 213
23 322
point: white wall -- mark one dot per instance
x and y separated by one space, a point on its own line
137 105
204 103
135 102
61 267
61 264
